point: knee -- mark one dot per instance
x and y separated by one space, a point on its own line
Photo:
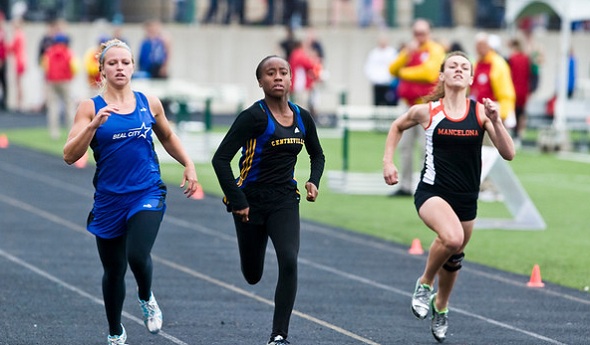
453 242
288 266
115 273
252 275
137 260
252 278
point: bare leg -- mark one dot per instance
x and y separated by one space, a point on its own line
453 236
438 215
446 279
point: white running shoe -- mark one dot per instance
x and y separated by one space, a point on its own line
439 323
278 340
152 315
118 339
421 300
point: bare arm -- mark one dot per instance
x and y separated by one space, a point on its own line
173 146
83 129
417 114
495 128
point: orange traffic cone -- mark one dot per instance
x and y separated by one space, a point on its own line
535 280
3 141
81 163
199 194
416 248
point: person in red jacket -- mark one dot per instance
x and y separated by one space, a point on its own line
3 56
60 67
492 79
18 49
305 68
520 69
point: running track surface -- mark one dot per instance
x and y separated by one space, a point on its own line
353 289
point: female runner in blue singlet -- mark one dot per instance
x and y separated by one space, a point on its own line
446 196
130 197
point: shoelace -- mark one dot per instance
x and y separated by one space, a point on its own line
116 341
149 309
423 294
440 319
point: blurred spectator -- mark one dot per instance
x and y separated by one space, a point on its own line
91 65
456 46
571 84
60 66
305 69
233 8
365 13
54 27
490 13
288 43
533 50
417 67
3 58
572 73
211 14
520 69
370 12
18 49
314 43
378 9
491 79
340 8
377 71
295 13
180 10
269 16
154 52
317 54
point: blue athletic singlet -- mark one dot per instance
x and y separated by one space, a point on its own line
271 157
453 150
127 177
124 150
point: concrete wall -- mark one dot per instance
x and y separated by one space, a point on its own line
228 55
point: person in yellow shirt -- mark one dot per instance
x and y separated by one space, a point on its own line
492 79
417 68
91 66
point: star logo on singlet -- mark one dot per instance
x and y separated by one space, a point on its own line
296 129
143 130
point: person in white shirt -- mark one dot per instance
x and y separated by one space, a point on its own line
377 71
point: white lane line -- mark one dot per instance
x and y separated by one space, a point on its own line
305 226
328 231
243 292
382 246
454 310
181 268
80 292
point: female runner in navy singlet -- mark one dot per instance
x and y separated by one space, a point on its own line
130 197
446 196
264 199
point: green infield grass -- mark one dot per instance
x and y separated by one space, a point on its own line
559 188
